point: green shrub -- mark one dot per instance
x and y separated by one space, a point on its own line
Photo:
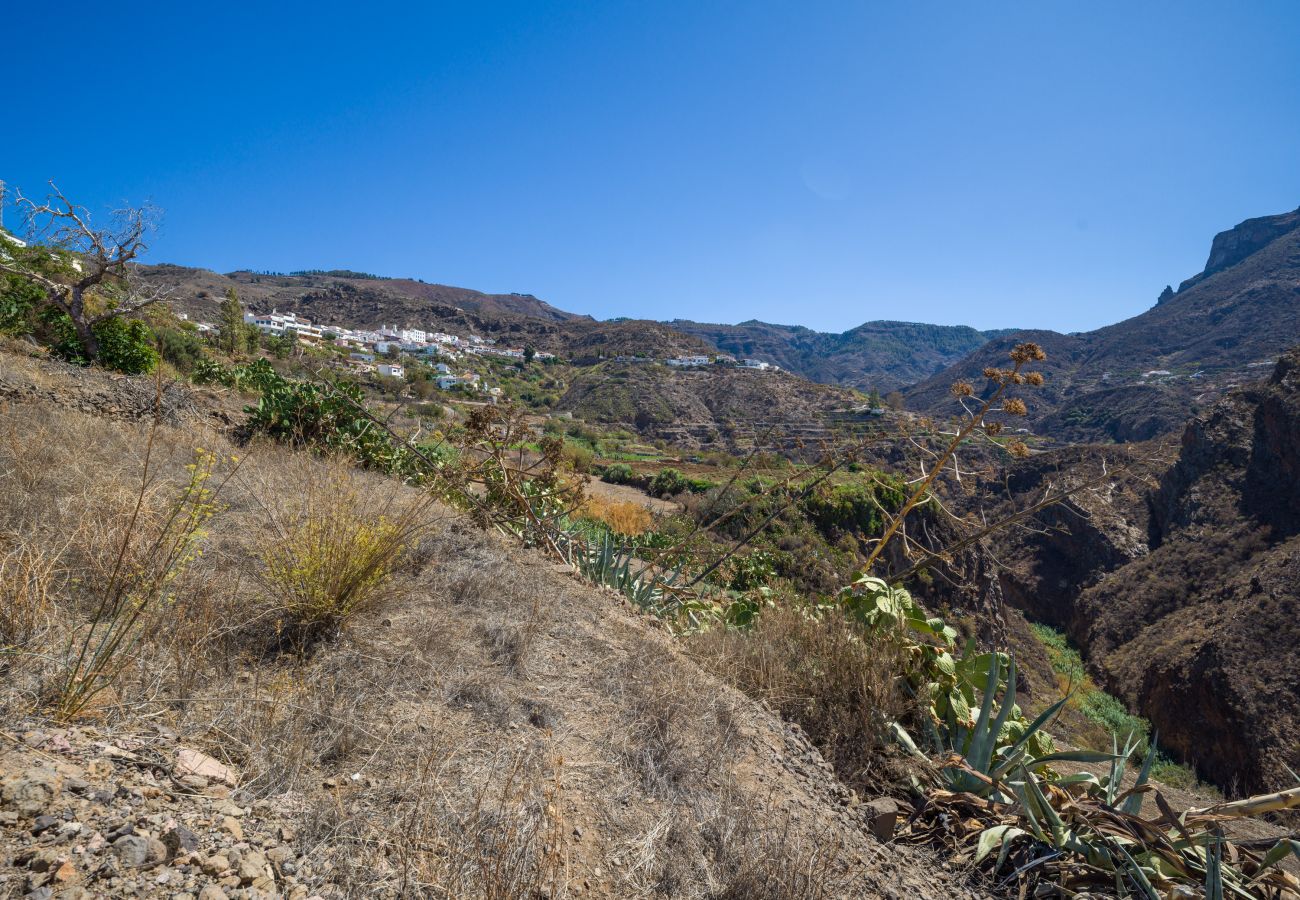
669 482
617 473
183 349
19 298
125 345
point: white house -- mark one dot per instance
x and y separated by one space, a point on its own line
413 336
278 323
755 364
390 370
447 382
442 369
683 362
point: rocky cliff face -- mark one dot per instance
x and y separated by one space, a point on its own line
1189 609
1146 375
1232 246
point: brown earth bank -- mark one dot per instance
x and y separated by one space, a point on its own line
493 728
1183 589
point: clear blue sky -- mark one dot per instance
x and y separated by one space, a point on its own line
1042 164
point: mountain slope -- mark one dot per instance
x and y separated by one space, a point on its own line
344 297
1211 335
884 356
708 407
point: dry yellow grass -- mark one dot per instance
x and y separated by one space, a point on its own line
623 516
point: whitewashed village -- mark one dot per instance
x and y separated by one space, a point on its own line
381 351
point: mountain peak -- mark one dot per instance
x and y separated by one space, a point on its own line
1232 246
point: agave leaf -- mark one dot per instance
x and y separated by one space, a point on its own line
1133 805
1030 731
1027 808
1214 871
1116 776
980 738
1276 854
1139 876
1088 756
1046 808
983 762
999 836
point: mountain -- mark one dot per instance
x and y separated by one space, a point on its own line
1182 596
880 355
347 298
1144 376
883 356
715 407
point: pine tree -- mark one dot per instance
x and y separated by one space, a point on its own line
230 333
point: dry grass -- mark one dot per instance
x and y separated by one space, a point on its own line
822 673
447 742
27 582
625 517
335 547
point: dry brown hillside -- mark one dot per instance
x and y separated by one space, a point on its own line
487 727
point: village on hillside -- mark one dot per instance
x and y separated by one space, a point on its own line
380 351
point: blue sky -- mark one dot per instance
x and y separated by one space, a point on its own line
1042 164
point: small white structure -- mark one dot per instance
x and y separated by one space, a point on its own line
278 323
755 364
685 362
391 370
442 369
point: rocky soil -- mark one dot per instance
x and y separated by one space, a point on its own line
495 728
86 814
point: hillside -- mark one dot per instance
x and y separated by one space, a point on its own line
877 355
714 406
1213 334
882 356
492 727
1182 595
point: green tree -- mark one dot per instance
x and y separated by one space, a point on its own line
230 323
530 353
284 344
19 299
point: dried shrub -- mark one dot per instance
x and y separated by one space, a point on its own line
825 673
335 552
625 517
27 574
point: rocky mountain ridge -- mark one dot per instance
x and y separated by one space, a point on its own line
1213 335
1182 596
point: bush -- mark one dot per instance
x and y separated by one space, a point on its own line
333 560
183 349
125 345
836 681
617 473
669 482
19 298
579 457
622 516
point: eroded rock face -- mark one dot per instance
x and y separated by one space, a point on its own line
1202 635
1181 585
1232 246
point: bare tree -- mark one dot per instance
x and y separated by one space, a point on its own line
74 262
